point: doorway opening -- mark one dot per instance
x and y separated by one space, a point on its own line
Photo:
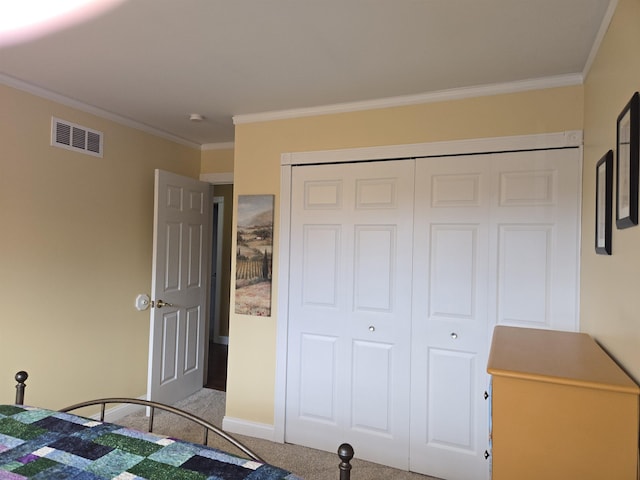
217 372
220 282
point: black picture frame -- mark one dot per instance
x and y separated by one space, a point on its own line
627 153
604 203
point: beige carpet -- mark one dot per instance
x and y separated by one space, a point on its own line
308 463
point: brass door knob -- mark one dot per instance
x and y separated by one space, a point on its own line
161 303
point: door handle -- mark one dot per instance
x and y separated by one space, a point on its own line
161 303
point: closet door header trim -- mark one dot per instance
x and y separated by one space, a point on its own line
544 141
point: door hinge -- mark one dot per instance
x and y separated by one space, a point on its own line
486 455
486 395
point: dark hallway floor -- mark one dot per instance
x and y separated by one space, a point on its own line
217 376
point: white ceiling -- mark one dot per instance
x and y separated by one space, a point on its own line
153 62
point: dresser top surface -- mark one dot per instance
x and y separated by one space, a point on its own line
555 357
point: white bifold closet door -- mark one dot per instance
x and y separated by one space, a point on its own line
399 271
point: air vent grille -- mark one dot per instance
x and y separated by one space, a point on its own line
76 137
94 142
63 134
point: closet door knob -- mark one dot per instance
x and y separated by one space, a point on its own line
372 328
454 335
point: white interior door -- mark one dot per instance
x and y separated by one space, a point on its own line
179 287
350 308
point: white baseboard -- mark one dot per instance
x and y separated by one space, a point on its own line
229 424
118 411
248 428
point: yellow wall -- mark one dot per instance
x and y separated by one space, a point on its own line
252 349
216 160
75 251
609 290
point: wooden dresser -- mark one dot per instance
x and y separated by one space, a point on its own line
561 408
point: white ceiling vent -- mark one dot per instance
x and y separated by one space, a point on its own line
76 137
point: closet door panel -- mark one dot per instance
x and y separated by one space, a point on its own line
350 289
449 325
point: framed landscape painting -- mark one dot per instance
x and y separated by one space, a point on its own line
254 255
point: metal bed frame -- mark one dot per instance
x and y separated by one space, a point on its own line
345 451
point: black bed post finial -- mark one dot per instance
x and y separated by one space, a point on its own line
20 377
345 452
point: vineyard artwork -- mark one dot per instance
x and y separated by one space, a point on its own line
254 255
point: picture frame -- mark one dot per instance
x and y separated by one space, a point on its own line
604 203
627 152
254 255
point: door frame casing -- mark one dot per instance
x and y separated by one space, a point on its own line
566 139
219 229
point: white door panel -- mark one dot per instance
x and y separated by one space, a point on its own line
372 376
525 255
451 386
350 311
321 265
318 378
180 256
453 269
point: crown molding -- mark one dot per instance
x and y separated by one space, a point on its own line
84 107
604 26
217 178
439 96
390 102
218 146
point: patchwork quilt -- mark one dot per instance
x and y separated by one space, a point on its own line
43 444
